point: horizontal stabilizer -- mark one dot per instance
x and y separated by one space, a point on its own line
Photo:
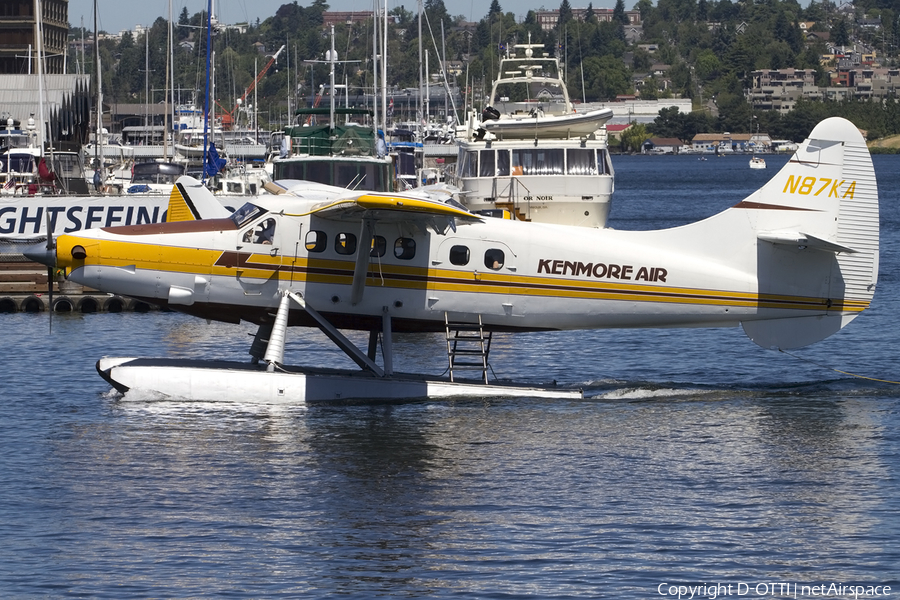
795 238
796 332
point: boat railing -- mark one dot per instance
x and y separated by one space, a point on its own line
516 202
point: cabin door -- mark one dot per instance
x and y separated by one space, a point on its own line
259 254
474 276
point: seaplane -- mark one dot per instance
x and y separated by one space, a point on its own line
792 263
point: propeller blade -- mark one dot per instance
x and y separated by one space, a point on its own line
51 266
50 293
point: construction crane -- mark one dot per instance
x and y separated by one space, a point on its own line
228 117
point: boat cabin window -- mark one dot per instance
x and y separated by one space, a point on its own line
345 243
18 163
316 241
246 213
459 255
604 162
581 161
486 167
261 233
379 247
503 163
469 166
68 164
493 259
154 172
538 161
405 248
364 174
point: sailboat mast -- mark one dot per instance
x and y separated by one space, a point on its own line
39 47
375 64
169 71
97 137
332 57
419 105
206 103
384 69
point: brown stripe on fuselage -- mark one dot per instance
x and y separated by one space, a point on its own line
761 206
225 224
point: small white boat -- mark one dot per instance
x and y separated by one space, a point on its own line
538 125
757 163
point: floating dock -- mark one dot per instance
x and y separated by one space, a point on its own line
24 288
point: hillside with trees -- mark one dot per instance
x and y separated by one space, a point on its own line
709 48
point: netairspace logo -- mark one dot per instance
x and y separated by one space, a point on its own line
772 590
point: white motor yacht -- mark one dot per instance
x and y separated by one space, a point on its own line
533 156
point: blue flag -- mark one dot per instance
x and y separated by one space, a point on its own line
213 163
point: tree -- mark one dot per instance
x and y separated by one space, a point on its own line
634 137
619 15
605 77
840 35
669 123
565 14
436 12
495 9
702 10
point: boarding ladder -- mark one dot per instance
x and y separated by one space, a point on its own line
512 199
468 346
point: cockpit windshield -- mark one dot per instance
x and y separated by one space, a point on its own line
246 213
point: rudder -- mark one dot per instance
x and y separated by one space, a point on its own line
830 182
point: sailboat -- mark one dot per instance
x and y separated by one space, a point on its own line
756 162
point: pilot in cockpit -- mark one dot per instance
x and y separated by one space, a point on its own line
266 232
262 233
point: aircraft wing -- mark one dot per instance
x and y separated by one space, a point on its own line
368 209
384 207
388 208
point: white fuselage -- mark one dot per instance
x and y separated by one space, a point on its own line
515 275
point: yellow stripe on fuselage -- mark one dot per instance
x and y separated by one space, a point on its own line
178 259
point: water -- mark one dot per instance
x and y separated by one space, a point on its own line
697 457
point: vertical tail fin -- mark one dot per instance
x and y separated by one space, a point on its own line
190 200
817 229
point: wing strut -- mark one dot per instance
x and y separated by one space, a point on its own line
366 233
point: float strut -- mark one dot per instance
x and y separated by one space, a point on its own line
357 355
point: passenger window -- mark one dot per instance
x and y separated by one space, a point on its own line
493 259
405 248
459 255
316 241
379 247
345 243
